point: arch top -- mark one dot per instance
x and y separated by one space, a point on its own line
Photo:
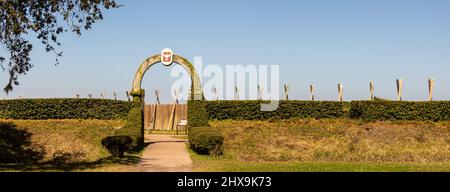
196 90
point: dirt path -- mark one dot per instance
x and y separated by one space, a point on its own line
165 154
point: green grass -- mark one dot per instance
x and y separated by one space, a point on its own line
223 164
61 145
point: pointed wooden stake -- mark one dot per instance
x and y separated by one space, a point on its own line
128 95
340 92
399 89
286 92
260 92
174 108
157 97
430 89
216 95
312 88
155 108
372 88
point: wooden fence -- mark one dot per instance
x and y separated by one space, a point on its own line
164 117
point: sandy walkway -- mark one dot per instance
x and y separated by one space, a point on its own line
165 154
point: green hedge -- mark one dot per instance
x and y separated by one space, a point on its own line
133 127
251 110
64 108
206 141
400 110
117 145
197 115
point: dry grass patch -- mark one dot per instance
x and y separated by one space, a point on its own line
68 141
336 140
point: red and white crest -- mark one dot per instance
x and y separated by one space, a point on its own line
166 56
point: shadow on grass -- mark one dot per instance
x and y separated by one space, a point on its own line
59 166
16 145
18 153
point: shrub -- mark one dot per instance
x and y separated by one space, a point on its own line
400 110
251 110
117 145
133 127
197 115
206 141
64 108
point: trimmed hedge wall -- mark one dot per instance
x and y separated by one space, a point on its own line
206 141
400 110
64 108
133 127
197 115
251 110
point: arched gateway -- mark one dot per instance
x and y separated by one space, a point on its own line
167 58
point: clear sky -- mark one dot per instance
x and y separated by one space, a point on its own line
324 42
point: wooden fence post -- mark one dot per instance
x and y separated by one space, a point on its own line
236 94
115 95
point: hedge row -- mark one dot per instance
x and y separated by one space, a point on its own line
197 114
133 128
64 108
400 110
251 110
206 141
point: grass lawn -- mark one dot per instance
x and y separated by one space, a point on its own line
335 140
59 145
221 164
330 145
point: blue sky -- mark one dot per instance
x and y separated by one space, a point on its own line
323 42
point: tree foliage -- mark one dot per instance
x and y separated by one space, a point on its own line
48 19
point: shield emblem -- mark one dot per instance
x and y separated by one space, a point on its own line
166 56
